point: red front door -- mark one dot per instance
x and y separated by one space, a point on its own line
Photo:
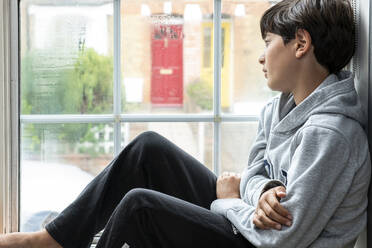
167 65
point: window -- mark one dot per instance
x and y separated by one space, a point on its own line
96 73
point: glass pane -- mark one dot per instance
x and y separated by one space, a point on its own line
166 56
196 138
244 89
236 141
66 56
57 162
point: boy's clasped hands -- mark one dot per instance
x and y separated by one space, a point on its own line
269 214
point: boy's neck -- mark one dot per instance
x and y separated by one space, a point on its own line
307 82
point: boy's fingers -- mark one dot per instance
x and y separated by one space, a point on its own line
266 221
258 223
272 214
281 194
275 204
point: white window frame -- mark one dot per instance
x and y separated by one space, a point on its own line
9 101
9 115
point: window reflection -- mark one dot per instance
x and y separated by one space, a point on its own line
171 70
66 57
161 57
60 41
244 89
57 162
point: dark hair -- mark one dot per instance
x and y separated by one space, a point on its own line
330 24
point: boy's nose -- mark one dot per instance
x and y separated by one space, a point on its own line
261 59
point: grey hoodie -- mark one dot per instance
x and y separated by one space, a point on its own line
319 151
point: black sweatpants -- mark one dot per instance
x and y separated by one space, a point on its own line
153 194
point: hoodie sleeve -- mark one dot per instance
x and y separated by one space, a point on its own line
319 177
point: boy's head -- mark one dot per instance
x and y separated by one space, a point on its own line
330 24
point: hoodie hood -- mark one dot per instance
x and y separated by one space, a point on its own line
335 95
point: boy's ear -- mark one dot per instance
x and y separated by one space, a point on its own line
303 42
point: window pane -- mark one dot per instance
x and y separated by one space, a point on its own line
244 89
66 56
57 162
236 141
166 56
196 138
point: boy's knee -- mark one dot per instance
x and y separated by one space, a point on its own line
148 135
151 141
137 198
145 140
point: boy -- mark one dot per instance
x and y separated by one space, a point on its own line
308 172
311 149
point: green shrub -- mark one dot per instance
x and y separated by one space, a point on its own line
201 93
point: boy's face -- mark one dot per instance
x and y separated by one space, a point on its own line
279 63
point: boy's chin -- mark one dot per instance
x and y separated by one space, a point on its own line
271 85
275 86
